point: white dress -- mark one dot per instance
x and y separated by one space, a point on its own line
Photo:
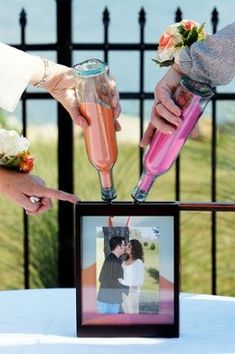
133 277
16 70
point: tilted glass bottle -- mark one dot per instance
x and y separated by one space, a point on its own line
191 96
95 104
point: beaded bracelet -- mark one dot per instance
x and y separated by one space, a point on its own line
45 75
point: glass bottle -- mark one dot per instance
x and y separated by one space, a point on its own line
191 96
92 84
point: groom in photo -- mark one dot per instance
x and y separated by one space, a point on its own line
110 291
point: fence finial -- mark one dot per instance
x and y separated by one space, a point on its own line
142 17
106 17
214 19
178 15
23 18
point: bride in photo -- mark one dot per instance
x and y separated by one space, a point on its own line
133 269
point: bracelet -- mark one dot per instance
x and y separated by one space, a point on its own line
45 75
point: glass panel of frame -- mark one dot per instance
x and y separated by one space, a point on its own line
127 269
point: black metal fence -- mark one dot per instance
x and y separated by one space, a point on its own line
64 47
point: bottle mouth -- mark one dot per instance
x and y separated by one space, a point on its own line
108 194
90 67
139 195
198 88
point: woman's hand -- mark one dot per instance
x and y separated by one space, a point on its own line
165 115
19 187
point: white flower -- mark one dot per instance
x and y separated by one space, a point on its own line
173 29
167 54
11 143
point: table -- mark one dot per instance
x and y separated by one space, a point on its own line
43 322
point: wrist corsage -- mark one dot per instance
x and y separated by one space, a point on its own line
14 151
176 37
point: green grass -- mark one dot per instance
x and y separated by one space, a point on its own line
195 226
151 267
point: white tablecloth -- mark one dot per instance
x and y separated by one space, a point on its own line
44 322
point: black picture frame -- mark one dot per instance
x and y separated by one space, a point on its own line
158 300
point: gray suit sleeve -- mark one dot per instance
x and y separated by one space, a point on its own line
212 60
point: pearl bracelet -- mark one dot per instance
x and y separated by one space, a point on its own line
45 75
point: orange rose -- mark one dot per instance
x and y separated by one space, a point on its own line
166 41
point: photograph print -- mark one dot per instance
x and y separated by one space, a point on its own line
127 270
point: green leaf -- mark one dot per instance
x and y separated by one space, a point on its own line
164 63
193 36
201 28
11 161
179 45
182 30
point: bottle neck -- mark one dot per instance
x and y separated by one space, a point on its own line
106 179
140 192
108 191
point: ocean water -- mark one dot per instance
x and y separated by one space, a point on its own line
87 27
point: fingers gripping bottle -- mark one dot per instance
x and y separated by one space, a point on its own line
94 94
191 96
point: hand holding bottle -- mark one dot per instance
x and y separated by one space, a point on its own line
165 115
59 82
191 98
